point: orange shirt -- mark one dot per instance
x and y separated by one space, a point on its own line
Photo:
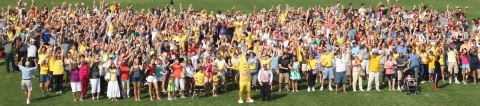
125 72
177 70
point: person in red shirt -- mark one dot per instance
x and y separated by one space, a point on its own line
152 80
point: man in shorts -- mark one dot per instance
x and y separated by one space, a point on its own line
402 62
341 76
327 63
452 61
284 67
26 84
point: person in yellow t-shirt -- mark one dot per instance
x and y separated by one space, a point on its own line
215 84
327 63
312 66
43 63
431 65
245 77
199 78
374 70
58 70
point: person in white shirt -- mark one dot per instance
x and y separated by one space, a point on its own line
340 76
31 51
221 65
265 77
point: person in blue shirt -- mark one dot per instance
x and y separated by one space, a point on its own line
27 72
402 47
414 60
355 48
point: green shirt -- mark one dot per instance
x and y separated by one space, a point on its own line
8 47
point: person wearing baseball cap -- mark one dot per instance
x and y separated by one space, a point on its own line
374 70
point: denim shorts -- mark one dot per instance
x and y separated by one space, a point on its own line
341 77
44 77
465 65
328 73
137 79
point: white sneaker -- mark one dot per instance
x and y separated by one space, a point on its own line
398 88
313 88
354 90
330 88
456 81
59 91
308 89
378 89
423 82
250 100
240 101
28 101
449 81
361 90
368 89
321 88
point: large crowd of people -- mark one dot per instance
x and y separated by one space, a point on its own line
191 52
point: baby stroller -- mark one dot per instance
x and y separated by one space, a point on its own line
410 84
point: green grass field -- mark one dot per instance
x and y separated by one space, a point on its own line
451 94
247 5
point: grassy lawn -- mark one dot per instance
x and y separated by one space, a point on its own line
451 94
247 5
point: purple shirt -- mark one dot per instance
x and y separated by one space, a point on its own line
74 76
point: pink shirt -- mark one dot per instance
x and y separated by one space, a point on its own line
83 72
464 59
389 67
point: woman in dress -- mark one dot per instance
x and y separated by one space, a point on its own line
113 90
295 74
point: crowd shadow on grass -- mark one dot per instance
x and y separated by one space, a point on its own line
273 96
443 86
47 96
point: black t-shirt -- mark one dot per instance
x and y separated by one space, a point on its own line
94 72
284 63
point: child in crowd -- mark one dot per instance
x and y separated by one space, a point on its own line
410 80
215 84
171 88
199 78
